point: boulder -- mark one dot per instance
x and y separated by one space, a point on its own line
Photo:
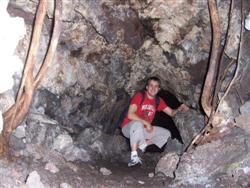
167 164
34 180
226 155
189 125
174 145
62 142
243 119
76 154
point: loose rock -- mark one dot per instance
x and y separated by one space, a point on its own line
65 185
34 180
105 171
51 167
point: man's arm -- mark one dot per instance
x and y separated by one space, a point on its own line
171 112
132 116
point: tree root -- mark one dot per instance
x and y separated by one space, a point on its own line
214 59
209 104
17 112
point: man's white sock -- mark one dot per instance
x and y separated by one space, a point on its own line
143 146
133 153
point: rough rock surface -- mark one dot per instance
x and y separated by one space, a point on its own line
108 48
111 147
189 125
229 156
174 145
167 164
34 180
243 119
106 51
40 136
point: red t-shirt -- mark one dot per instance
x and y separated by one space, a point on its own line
146 110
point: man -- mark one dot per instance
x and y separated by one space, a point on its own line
137 124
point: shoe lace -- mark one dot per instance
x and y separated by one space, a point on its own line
136 159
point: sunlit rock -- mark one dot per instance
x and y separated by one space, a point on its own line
65 185
34 180
105 171
20 131
51 167
247 22
6 100
62 142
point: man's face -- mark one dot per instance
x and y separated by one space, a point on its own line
153 88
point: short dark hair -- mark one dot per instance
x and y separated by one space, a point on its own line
153 78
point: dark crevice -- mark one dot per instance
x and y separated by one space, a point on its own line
163 120
172 58
148 30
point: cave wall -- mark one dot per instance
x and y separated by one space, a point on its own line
107 49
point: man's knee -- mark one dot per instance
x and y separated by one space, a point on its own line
136 125
161 136
166 133
163 132
137 130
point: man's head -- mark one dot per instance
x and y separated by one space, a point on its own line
153 86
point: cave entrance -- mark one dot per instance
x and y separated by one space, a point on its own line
163 120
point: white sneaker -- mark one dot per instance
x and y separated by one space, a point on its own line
134 160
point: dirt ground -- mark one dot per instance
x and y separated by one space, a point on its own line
15 171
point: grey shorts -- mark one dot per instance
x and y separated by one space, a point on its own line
137 134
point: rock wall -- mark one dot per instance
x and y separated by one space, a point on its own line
227 157
108 49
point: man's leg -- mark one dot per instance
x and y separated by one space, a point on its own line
159 136
134 130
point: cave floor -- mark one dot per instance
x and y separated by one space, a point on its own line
14 173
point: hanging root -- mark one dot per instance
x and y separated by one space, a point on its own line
213 133
214 59
17 113
206 98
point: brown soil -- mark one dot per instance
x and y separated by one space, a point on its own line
14 173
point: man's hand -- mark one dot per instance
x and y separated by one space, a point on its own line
183 108
149 127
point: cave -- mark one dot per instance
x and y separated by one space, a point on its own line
70 68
